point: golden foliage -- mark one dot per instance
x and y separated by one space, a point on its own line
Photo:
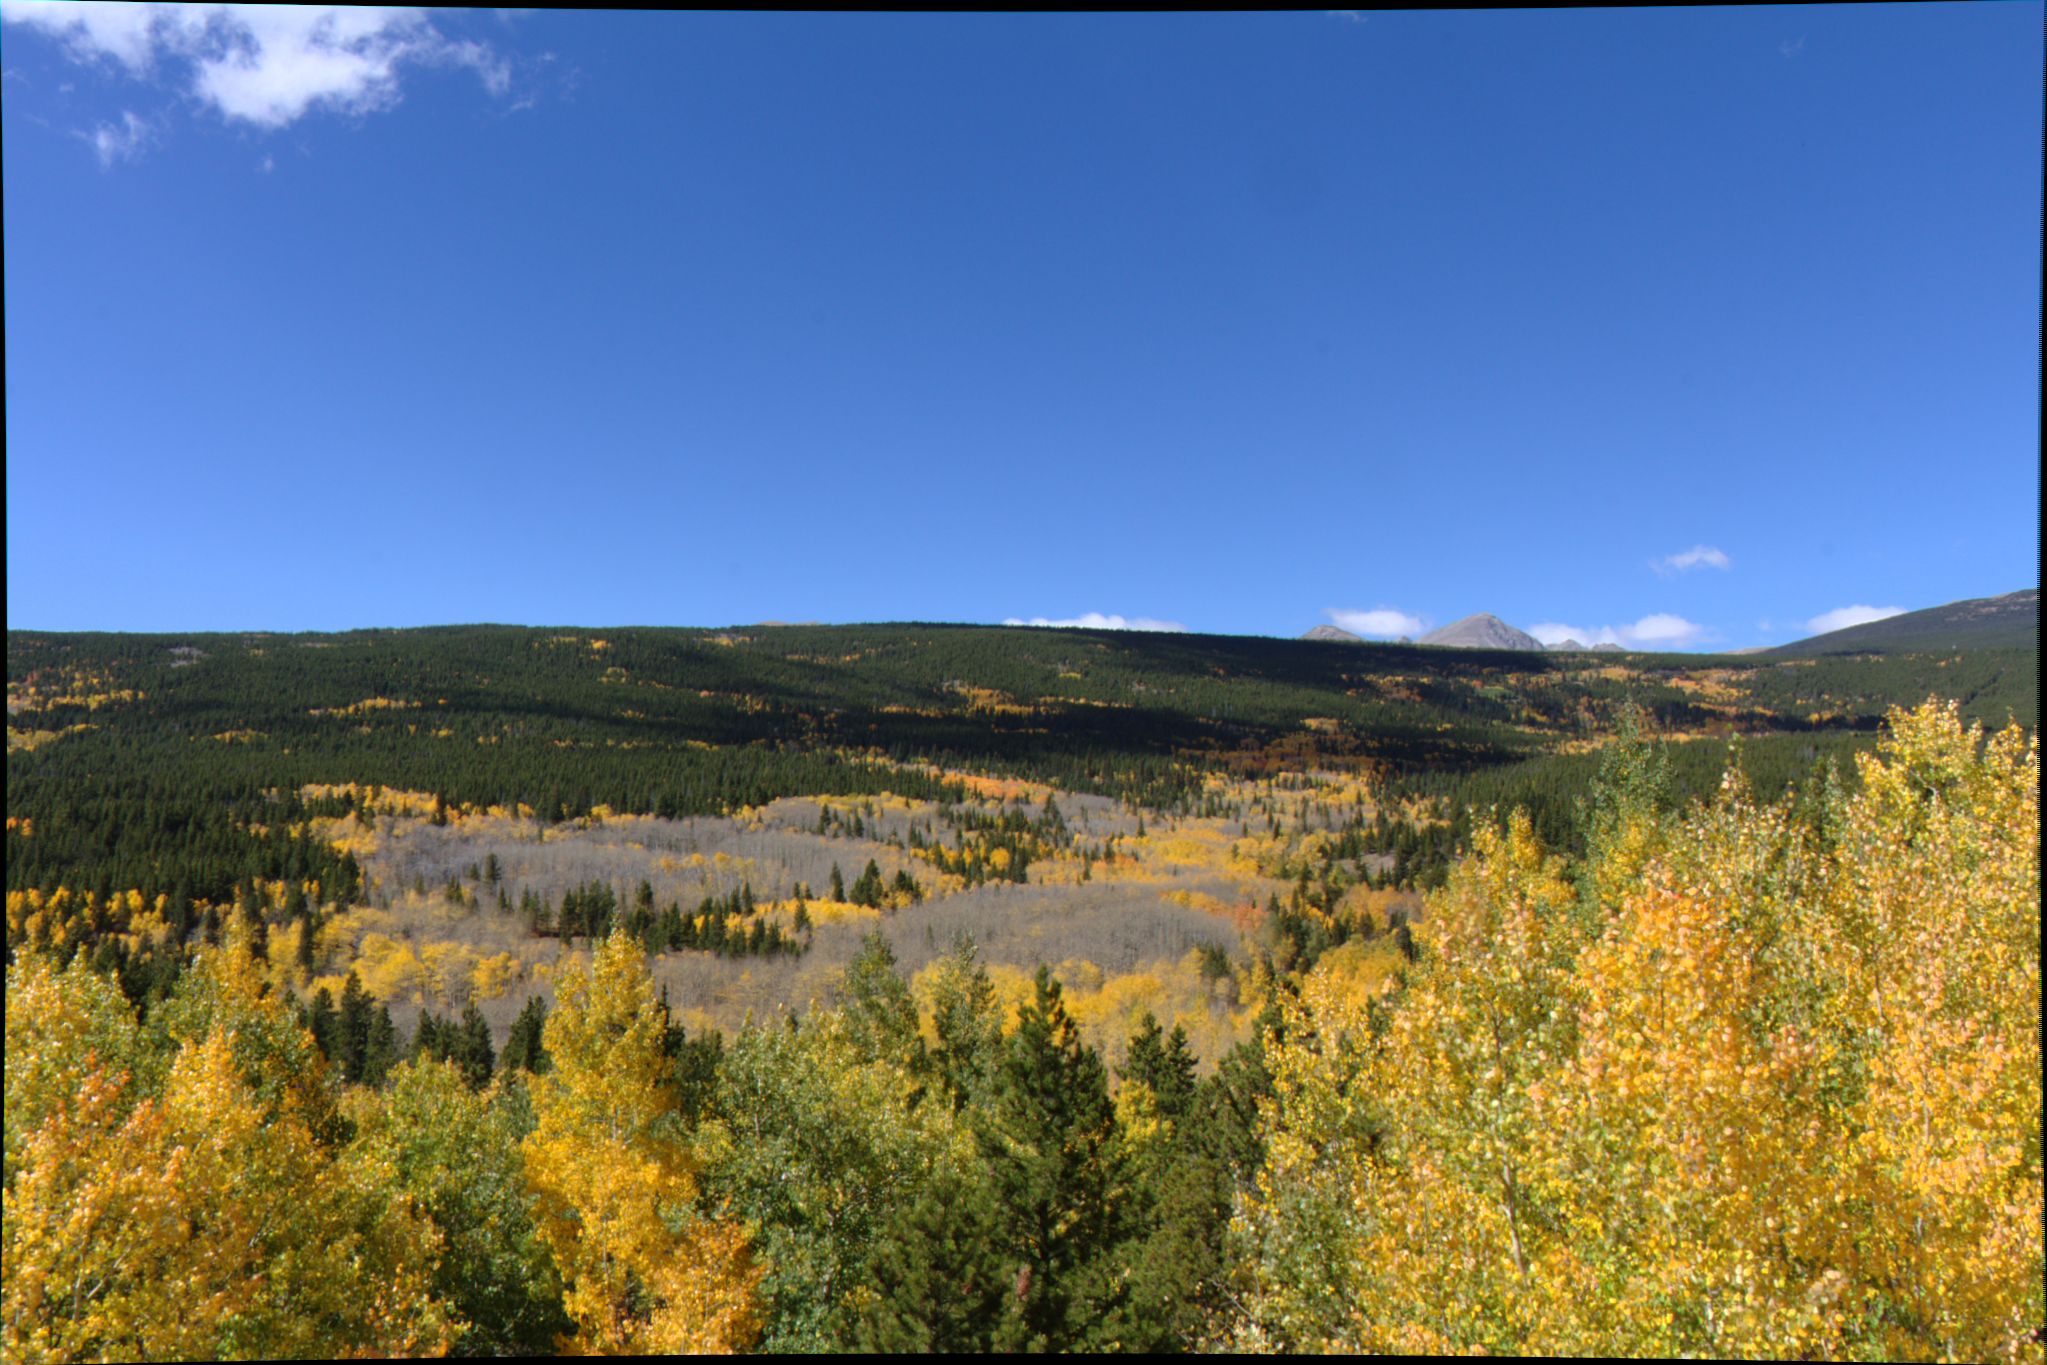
614 1178
205 1219
1776 1091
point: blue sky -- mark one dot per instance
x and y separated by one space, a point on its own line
1682 327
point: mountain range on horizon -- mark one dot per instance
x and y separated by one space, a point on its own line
2008 620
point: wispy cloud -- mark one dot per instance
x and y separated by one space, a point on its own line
1840 618
1698 557
1380 622
118 142
1349 16
266 65
1660 630
1791 47
1095 620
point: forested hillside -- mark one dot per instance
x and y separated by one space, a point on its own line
932 987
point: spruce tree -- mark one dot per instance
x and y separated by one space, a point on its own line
353 1029
471 1049
939 1281
1173 1271
1048 1134
523 1049
879 1013
324 1024
1164 1065
380 1048
967 1021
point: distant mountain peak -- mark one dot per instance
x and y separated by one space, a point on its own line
1483 631
1568 643
1331 633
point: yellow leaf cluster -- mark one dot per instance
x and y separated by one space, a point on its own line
1765 1083
614 1179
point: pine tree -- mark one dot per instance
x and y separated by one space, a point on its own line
939 1281
380 1048
880 1016
1164 1065
1048 1134
1174 1271
523 1048
428 1044
967 1022
470 1048
324 1024
352 1029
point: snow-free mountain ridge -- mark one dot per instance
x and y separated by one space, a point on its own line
1483 631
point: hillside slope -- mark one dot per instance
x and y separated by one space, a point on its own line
2009 621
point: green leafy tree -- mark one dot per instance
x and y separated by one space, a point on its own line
456 1153
820 1145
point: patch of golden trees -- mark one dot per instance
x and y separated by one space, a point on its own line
1763 1079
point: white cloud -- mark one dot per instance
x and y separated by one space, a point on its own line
262 64
1383 622
1791 47
1660 630
1663 629
121 142
1698 556
1840 618
1094 620
92 31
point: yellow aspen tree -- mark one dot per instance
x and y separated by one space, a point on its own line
615 1179
199 1226
1772 1088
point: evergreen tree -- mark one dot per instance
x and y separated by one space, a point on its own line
324 1024
470 1048
868 889
967 1021
428 1044
1164 1065
939 1281
1174 1271
1048 1134
309 938
523 1048
353 1029
380 1048
880 1015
